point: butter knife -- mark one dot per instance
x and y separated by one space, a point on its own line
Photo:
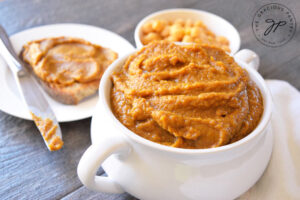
32 96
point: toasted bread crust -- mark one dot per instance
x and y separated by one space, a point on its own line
72 94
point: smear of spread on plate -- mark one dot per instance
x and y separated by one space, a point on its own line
186 96
66 60
68 69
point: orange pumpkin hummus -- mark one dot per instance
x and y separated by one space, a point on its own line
185 96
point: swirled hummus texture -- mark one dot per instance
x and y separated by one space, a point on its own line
185 96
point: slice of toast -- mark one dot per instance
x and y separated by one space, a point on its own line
71 93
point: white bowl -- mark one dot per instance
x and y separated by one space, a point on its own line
216 24
149 170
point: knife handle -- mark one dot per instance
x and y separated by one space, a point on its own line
8 52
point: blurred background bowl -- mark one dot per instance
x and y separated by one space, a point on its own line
216 24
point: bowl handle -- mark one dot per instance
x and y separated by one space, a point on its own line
249 57
92 159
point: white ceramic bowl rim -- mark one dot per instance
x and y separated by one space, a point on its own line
266 117
187 10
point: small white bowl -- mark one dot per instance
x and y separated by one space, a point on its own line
216 24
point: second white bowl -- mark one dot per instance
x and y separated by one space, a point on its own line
216 24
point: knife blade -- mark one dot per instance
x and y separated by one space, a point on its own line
32 96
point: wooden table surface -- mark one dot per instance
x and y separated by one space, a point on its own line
27 169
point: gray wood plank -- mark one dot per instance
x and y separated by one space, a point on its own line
84 193
27 169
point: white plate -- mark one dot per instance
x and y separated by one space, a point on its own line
10 101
